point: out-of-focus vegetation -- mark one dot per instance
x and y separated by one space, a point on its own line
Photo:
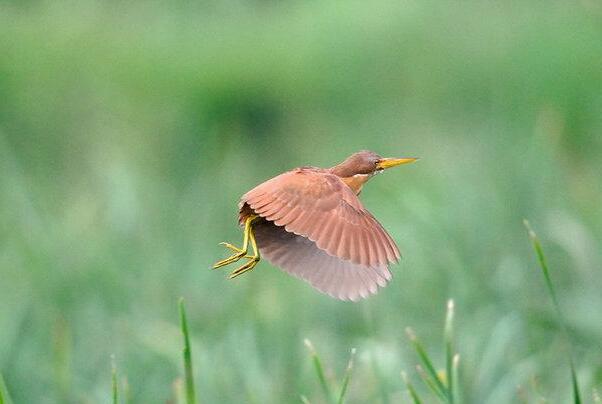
128 130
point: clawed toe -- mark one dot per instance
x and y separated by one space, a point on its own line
253 260
240 253
229 260
231 247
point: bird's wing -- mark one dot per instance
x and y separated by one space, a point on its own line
320 206
300 257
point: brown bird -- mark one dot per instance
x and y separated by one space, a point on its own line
310 222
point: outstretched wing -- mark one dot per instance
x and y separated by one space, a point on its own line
320 206
300 257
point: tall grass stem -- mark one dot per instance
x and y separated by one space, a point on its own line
449 350
319 370
560 317
411 389
437 385
4 396
114 386
189 375
346 377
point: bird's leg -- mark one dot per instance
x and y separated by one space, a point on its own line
253 259
240 252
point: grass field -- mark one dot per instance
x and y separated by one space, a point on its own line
128 131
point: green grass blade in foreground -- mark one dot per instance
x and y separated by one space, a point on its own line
347 377
430 383
550 286
114 387
455 386
4 396
189 378
449 350
576 394
319 370
430 374
411 390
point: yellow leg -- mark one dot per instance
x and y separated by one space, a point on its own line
242 252
253 259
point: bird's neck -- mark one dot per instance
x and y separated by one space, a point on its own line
349 175
356 182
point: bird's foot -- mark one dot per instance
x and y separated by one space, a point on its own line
240 253
253 260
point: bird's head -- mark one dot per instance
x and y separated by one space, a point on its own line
358 168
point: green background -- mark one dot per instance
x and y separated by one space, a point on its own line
128 131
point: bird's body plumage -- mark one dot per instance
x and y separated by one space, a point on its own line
313 223
310 222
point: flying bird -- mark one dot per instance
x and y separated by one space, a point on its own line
310 222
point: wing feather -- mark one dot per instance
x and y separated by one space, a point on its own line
302 258
377 241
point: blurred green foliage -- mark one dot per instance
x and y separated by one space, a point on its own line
128 131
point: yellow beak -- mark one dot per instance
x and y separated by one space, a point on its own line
393 162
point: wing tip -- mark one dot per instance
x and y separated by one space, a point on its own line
367 288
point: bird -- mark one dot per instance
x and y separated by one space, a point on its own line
310 222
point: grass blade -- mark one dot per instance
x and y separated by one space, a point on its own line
411 390
449 350
550 286
190 392
455 386
576 394
114 387
437 384
319 370
4 396
430 383
347 377
546 273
